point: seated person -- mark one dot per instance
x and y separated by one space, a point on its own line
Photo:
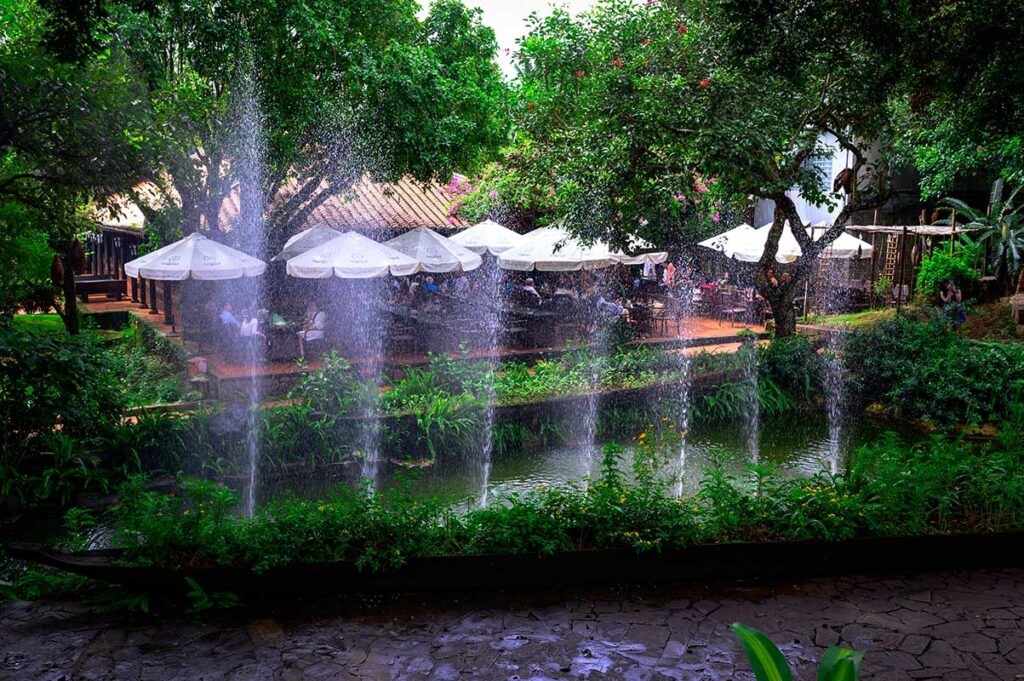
228 319
313 324
530 290
565 289
250 328
610 307
429 286
461 286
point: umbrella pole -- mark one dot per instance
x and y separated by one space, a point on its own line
169 308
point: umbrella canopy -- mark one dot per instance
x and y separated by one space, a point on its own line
736 239
488 237
647 254
195 257
305 240
553 249
748 244
846 247
351 256
434 252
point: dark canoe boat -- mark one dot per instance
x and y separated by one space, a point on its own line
701 562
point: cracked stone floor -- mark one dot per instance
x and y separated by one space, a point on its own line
951 626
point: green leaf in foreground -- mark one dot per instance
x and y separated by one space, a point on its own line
765 658
840 664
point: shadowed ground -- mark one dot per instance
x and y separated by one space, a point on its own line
948 626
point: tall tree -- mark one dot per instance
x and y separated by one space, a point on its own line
961 112
71 125
645 111
344 87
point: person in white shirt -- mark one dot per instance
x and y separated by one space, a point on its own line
530 289
313 326
250 327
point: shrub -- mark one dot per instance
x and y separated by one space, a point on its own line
55 380
943 264
939 486
919 368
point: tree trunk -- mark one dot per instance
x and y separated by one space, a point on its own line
781 300
70 316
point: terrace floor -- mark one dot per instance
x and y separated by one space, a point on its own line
707 335
951 626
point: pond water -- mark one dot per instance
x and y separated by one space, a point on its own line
798 446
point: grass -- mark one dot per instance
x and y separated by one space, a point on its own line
853 319
38 323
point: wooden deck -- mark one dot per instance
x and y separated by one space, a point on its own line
230 376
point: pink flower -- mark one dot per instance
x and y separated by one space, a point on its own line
494 195
551 192
645 42
618 63
581 73
682 29
680 197
716 217
704 82
452 221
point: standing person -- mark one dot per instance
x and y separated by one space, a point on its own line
952 303
669 276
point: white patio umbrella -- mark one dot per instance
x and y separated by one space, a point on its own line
748 245
845 247
488 237
351 256
646 255
195 257
305 240
738 238
435 253
553 249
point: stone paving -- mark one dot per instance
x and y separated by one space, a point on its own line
949 626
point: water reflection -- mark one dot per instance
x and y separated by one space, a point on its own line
799 447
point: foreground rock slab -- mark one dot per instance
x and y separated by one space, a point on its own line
948 626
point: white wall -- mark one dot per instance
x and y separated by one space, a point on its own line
810 213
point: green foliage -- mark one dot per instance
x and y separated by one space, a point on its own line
202 600
938 486
961 110
920 369
768 664
946 264
53 379
793 366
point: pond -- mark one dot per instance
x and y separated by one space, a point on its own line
798 445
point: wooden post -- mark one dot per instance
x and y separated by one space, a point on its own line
952 234
132 250
152 297
142 293
903 268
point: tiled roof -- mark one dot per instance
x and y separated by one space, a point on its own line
368 206
371 206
